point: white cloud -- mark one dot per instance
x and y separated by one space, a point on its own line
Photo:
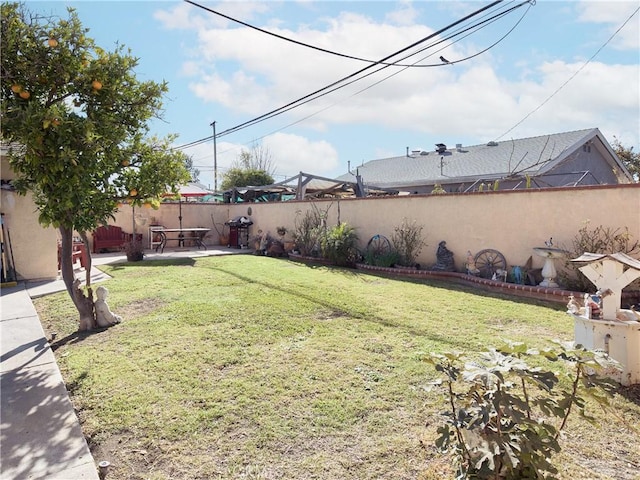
293 154
404 15
180 17
186 16
614 14
250 74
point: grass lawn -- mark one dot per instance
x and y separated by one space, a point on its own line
258 368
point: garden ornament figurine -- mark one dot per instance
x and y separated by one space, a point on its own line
444 258
573 306
517 275
472 269
104 316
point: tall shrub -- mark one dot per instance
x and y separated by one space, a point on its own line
340 245
307 230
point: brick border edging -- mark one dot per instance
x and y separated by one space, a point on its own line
555 295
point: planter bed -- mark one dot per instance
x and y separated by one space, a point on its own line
555 295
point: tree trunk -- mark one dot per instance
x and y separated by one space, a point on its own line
83 303
88 260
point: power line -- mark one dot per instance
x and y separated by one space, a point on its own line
304 98
575 74
392 75
381 64
303 44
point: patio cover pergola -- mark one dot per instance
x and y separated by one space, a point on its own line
305 186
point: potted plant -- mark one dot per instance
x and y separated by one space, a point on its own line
288 245
223 237
134 250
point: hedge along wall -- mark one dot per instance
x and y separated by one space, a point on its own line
513 222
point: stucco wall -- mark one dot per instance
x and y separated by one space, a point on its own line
35 248
512 222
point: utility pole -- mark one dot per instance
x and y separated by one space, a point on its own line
215 159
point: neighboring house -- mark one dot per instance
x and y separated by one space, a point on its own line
583 157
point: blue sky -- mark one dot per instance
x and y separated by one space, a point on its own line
218 70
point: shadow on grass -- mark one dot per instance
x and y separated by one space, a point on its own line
170 262
73 338
425 333
631 393
437 283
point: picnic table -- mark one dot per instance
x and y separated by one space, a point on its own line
195 234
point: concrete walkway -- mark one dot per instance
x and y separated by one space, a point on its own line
40 436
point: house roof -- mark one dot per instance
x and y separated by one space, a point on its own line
495 160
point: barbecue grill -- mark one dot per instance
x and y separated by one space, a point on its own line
239 231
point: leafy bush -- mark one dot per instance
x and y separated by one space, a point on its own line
597 240
388 259
499 422
407 241
340 245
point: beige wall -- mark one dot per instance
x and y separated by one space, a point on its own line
35 248
513 222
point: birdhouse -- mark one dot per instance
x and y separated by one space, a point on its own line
616 331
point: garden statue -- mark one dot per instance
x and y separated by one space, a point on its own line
573 306
500 274
472 269
444 258
104 316
518 277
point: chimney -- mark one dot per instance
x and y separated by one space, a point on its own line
441 147
459 147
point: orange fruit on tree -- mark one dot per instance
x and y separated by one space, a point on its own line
133 192
24 94
96 84
15 88
53 42
125 163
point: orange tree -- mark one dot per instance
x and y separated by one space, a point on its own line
76 119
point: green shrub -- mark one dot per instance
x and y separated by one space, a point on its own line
501 411
340 245
387 259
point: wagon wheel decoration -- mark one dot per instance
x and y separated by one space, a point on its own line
378 246
488 261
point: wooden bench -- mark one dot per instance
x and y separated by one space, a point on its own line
111 236
78 254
